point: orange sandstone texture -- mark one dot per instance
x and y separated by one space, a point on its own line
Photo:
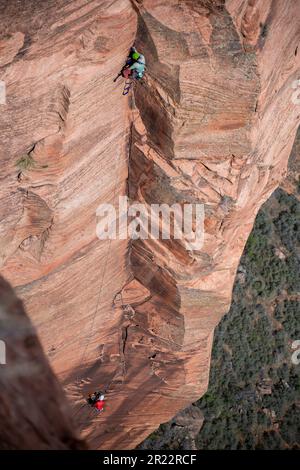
213 123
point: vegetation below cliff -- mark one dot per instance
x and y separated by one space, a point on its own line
253 396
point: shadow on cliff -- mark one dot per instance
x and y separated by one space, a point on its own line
28 386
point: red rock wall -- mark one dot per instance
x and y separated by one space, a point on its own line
213 122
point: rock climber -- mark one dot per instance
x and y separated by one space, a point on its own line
135 65
96 400
99 405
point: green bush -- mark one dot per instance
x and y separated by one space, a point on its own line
26 162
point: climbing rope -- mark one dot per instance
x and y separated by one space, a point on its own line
128 85
122 365
103 276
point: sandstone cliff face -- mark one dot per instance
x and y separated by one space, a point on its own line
33 409
291 183
213 122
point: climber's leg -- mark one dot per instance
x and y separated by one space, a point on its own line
119 75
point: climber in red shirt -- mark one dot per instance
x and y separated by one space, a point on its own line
99 405
96 400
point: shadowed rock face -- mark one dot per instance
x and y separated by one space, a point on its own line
179 433
33 409
212 123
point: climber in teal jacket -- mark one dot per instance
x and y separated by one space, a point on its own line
135 65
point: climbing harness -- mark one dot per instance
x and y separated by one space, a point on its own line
121 367
128 85
127 309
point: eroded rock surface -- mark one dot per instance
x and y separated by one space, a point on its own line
213 122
